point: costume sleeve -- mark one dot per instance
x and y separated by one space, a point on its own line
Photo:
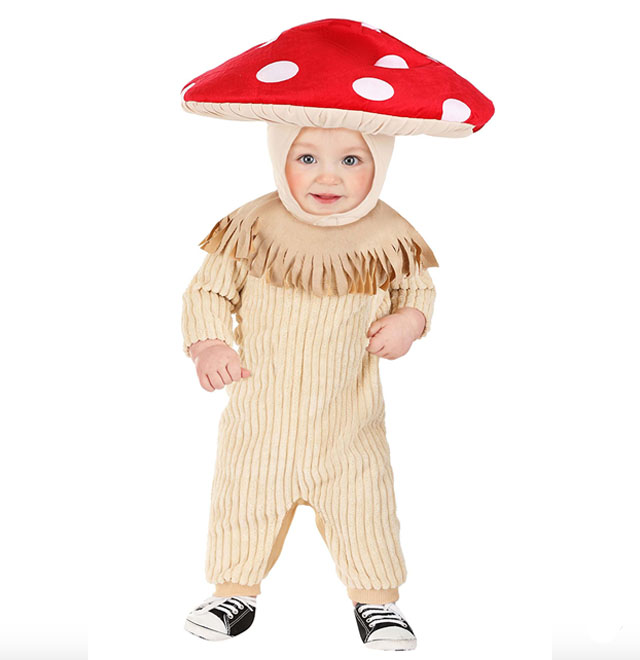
416 291
211 298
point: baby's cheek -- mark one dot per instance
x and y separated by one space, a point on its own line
296 185
362 184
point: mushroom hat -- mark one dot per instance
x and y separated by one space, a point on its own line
339 73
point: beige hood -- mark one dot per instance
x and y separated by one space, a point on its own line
280 138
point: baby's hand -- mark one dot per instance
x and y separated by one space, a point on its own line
392 335
217 364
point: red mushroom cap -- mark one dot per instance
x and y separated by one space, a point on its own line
340 73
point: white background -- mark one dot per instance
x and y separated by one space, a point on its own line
512 426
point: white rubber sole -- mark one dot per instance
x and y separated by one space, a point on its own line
392 644
203 632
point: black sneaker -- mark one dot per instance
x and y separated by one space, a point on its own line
384 627
221 617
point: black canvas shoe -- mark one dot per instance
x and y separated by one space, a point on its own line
221 617
384 627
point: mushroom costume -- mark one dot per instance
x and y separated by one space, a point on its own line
308 426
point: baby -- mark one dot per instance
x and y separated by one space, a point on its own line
329 170
305 420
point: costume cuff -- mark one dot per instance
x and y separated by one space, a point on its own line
415 291
206 315
211 299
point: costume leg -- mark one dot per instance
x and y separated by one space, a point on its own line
236 589
356 515
250 516
245 556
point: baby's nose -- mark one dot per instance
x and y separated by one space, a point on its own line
328 176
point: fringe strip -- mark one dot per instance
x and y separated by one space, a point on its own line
331 272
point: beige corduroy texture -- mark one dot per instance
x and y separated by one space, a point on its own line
308 426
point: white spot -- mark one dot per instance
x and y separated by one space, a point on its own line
454 110
186 89
370 27
373 89
268 42
277 71
392 62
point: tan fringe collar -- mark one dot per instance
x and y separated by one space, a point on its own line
373 252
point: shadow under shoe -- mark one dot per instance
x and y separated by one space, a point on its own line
384 627
221 617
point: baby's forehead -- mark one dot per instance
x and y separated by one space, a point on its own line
315 136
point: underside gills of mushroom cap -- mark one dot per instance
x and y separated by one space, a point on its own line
357 120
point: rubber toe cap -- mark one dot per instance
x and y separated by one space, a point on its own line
390 632
208 620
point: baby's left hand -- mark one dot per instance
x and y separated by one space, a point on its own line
392 335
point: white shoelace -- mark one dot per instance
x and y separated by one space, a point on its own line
387 613
230 605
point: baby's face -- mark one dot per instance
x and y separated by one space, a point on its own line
329 170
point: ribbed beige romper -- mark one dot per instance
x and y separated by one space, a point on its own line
307 427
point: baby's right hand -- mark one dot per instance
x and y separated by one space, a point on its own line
217 364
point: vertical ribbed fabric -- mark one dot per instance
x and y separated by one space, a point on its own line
307 426
211 298
415 291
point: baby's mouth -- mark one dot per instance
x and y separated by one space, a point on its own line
326 198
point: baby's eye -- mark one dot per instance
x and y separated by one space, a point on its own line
306 162
352 160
